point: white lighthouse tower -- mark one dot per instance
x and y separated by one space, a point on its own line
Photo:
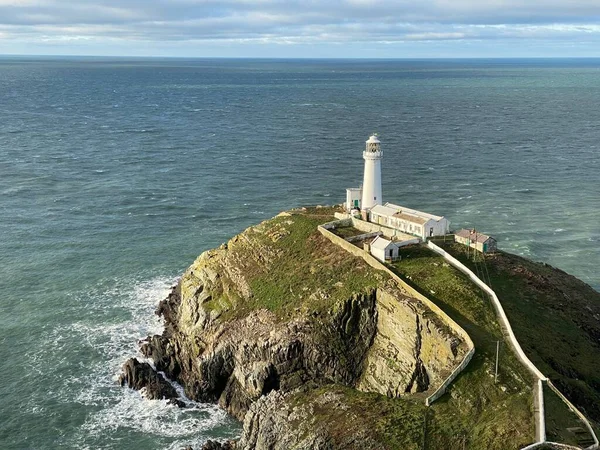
371 188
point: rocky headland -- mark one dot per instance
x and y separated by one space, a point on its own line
311 348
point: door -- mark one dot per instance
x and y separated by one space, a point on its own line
356 203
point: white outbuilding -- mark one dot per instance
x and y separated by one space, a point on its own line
386 250
353 198
382 249
410 221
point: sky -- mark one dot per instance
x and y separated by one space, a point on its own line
302 28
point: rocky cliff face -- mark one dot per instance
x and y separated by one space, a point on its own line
280 310
410 353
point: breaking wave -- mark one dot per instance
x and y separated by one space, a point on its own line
113 320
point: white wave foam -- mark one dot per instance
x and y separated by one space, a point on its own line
157 417
114 317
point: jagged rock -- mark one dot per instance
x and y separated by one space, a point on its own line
140 375
214 445
177 402
162 352
278 422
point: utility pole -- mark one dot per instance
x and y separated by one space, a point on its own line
424 446
475 248
497 353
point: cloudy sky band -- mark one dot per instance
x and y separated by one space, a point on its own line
201 28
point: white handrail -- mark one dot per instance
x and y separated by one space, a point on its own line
541 431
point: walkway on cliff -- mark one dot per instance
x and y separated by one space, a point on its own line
494 328
541 379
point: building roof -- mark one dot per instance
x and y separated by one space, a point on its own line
413 212
354 189
473 235
381 243
411 218
373 139
411 215
383 210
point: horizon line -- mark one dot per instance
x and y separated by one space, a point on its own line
349 58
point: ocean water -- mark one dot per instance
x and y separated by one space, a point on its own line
115 174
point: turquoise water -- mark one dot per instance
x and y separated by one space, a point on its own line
115 174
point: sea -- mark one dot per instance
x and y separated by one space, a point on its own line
116 173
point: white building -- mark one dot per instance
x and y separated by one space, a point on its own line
370 193
410 221
382 249
368 199
353 198
385 250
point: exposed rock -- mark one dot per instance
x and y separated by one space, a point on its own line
140 375
214 445
278 422
410 350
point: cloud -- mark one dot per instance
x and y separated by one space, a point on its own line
297 22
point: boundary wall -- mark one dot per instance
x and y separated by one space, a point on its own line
539 410
373 262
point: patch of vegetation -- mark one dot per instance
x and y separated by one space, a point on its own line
486 414
561 423
391 423
556 318
291 268
346 232
404 423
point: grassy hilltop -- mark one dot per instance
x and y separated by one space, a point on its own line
278 325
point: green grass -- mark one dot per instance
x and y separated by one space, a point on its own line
477 408
404 423
559 419
292 269
556 319
392 423
346 232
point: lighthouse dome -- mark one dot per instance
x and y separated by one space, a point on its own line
373 140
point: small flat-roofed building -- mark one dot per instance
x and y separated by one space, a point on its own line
386 250
382 249
353 198
474 239
411 221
